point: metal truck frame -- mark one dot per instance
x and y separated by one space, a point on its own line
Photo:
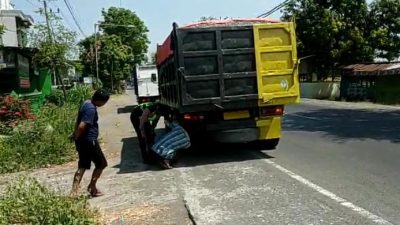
230 81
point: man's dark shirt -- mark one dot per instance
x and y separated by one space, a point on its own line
88 114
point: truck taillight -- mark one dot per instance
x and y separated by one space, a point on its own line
272 111
193 118
145 100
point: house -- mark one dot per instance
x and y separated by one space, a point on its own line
377 82
15 58
16 23
17 73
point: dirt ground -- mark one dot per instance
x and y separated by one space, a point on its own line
135 193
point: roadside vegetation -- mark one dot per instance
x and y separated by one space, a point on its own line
41 140
336 33
28 202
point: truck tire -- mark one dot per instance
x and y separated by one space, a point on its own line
265 144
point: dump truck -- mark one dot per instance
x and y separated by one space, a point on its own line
229 80
146 84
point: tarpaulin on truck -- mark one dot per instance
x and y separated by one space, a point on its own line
229 22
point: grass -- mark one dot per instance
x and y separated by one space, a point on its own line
28 202
44 141
41 142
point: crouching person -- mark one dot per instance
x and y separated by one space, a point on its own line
167 146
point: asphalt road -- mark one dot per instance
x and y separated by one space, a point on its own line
337 163
334 165
353 152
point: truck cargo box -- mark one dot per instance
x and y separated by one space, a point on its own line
228 65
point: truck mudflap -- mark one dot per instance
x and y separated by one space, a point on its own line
276 62
270 128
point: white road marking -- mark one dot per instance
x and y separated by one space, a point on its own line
304 117
357 209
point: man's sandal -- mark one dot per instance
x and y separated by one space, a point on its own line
165 164
94 193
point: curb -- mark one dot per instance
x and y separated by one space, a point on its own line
353 105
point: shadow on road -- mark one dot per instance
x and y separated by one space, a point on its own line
218 153
131 161
345 124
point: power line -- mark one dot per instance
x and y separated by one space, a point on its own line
71 11
74 17
74 11
63 15
276 8
79 19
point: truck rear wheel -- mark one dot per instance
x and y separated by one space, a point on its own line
265 144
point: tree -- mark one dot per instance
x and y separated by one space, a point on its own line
2 28
335 32
87 56
122 44
114 60
385 28
56 48
153 58
79 67
55 45
130 28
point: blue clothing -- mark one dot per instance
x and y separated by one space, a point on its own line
88 114
175 140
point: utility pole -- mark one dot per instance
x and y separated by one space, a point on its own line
112 71
50 34
46 14
96 53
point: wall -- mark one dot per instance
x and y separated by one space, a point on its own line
10 36
5 5
320 90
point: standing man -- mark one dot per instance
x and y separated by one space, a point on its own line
86 141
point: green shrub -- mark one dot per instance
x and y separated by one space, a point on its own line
56 97
28 202
97 83
44 140
79 94
75 95
41 142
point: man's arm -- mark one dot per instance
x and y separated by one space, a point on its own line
87 120
144 119
80 130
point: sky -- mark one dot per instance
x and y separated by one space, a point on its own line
158 15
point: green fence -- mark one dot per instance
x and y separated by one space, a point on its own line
387 90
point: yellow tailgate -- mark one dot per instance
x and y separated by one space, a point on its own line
276 57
